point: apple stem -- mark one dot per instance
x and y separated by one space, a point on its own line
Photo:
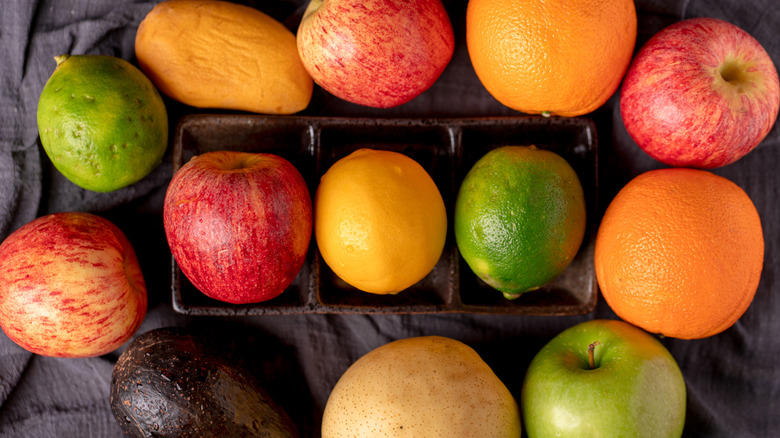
311 7
591 361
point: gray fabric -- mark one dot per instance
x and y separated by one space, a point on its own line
733 379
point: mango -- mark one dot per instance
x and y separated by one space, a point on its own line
216 54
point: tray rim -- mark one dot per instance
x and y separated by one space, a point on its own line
314 307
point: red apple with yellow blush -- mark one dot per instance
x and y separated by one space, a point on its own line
376 53
70 286
700 93
238 224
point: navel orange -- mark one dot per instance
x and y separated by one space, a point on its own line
680 252
556 57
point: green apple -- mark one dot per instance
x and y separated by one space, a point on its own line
603 378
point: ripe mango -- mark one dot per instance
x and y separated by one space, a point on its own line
216 54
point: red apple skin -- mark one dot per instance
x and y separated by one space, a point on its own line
376 53
678 107
238 224
70 286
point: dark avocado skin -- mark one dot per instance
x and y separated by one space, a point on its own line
170 382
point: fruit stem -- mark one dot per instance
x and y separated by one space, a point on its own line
591 361
60 59
311 7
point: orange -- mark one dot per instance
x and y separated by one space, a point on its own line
556 57
679 252
379 221
519 218
101 122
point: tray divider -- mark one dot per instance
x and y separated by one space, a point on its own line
313 146
455 133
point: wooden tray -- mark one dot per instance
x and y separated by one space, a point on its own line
447 148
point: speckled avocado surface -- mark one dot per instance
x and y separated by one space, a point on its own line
172 382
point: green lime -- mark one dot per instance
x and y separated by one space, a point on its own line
519 218
102 122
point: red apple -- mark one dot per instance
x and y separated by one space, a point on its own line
70 286
377 53
700 93
238 224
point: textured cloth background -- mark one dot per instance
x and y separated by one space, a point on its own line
733 379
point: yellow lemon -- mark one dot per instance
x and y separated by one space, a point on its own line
380 221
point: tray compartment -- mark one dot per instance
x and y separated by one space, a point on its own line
576 286
430 147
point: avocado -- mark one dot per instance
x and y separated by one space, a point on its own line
173 382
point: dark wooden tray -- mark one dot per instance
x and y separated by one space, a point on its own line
447 148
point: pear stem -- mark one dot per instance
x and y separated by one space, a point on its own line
591 361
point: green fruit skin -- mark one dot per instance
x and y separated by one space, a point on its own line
636 388
102 122
519 218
